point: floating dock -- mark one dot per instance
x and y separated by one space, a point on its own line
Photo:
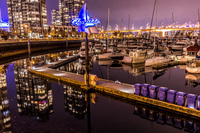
168 64
123 91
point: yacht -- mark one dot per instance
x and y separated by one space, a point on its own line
193 66
178 46
134 57
98 49
82 51
156 60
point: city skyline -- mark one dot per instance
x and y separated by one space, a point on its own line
140 11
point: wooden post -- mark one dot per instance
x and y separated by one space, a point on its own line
67 44
87 60
29 49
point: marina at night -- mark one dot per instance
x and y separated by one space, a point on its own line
85 66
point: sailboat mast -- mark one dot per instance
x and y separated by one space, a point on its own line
108 17
198 18
121 29
155 24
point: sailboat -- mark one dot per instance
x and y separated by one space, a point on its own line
156 59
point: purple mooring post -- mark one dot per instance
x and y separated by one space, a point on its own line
153 91
162 93
171 96
191 101
180 98
145 90
137 89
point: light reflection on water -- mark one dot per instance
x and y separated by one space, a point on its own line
37 105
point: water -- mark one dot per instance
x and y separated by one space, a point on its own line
38 105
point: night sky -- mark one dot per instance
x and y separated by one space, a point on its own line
139 10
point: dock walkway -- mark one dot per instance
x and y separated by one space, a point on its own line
124 91
72 77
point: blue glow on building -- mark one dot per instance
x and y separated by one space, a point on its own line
84 20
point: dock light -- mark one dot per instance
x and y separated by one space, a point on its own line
191 101
153 91
171 96
162 93
145 90
137 89
180 98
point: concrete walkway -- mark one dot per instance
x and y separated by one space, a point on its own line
77 77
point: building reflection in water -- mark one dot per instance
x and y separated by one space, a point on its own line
5 119
161 118
34 95
76 101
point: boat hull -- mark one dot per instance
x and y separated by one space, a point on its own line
129 60
193 70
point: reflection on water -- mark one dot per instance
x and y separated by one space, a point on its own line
5 120
161 118
34 95
75 102
43 106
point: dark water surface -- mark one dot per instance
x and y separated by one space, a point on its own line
38 105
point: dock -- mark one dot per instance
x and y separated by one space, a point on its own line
123 91
168 64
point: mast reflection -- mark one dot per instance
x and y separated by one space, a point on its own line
34 95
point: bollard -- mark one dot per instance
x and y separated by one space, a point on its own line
153 89
137 89
67 45
29 49
189 126
145 90
191 101
198 102
180 98
162 93
171 96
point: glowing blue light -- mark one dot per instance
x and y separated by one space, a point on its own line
4 25
84 20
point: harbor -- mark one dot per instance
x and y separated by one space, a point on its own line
85 66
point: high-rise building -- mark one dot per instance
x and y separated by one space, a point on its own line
27 17
55 17
69 10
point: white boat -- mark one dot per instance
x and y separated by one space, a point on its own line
180 45
105 56
82 52
98 49
156 60
193 66
135 57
